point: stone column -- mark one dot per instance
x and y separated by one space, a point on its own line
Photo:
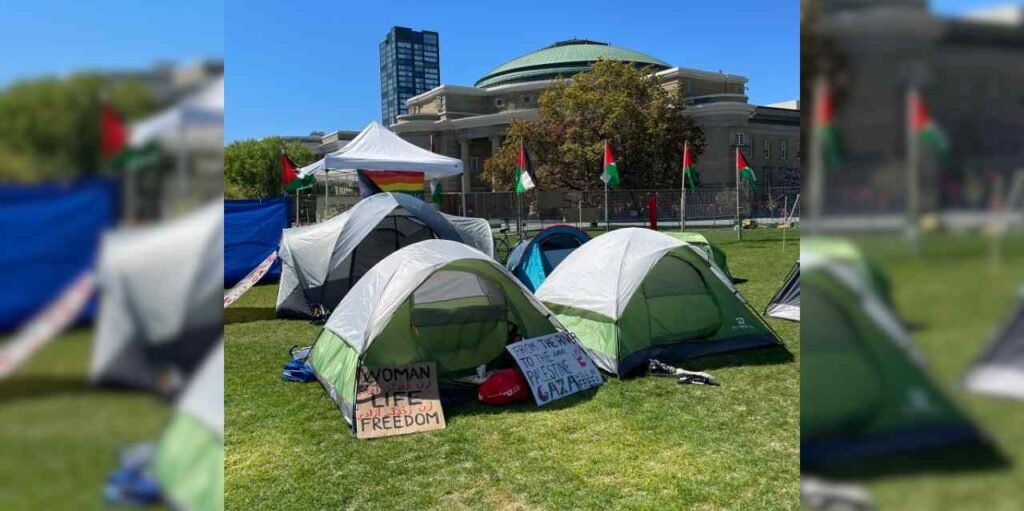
466 179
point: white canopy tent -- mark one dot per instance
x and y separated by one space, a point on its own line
191 120
377 148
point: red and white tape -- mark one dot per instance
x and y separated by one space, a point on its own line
47 324
250 280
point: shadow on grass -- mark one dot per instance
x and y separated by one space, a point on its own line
34 387
949 460
459 403
757 356
234 315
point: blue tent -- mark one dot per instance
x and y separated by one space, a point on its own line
533 259
252 231
51 234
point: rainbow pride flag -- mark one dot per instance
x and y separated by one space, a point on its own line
377 181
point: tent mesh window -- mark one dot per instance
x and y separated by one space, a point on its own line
679 303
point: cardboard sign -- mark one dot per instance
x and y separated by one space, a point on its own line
555 366
397 400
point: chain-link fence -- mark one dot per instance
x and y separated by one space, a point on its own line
707 206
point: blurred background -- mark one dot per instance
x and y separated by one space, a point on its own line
913 343
111 177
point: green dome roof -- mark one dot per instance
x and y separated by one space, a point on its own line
562 60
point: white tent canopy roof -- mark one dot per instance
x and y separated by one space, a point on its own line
377 148
602 275
200 114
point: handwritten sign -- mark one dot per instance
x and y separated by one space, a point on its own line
397 400
555 366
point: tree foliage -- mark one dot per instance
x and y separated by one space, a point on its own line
50 128
252 168
614 102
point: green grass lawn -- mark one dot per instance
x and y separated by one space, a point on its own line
59 436
642 443
954 296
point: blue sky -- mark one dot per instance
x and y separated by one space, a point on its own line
56 37
293 69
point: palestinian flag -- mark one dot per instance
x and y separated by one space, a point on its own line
113 132
924 126
824 122
378 181
524 171
743 168
690 175
435 191
290 176
610 175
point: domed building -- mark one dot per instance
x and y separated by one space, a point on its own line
469 122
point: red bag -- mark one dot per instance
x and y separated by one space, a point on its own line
503 387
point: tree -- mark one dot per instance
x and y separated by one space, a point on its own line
614 102
252 168
50 126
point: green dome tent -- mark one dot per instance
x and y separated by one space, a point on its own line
864 389
636 294
189 459
435 301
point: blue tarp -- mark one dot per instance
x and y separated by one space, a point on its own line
533 259
51 233
252 231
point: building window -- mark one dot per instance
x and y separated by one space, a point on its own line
767 146
474 164
784 149
499 102
741 138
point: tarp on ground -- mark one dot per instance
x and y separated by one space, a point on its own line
252 231
377 148
51 235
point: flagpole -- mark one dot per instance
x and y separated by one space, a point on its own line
913 168
817 174
739 226
682 191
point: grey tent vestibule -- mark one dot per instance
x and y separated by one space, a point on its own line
1000 369
320 263
786 302
160 290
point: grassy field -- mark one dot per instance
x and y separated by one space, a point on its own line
954 296
642 443
60 437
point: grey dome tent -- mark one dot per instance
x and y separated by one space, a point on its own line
435 301
160 292
864 388
786 302
1000 369
320 263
